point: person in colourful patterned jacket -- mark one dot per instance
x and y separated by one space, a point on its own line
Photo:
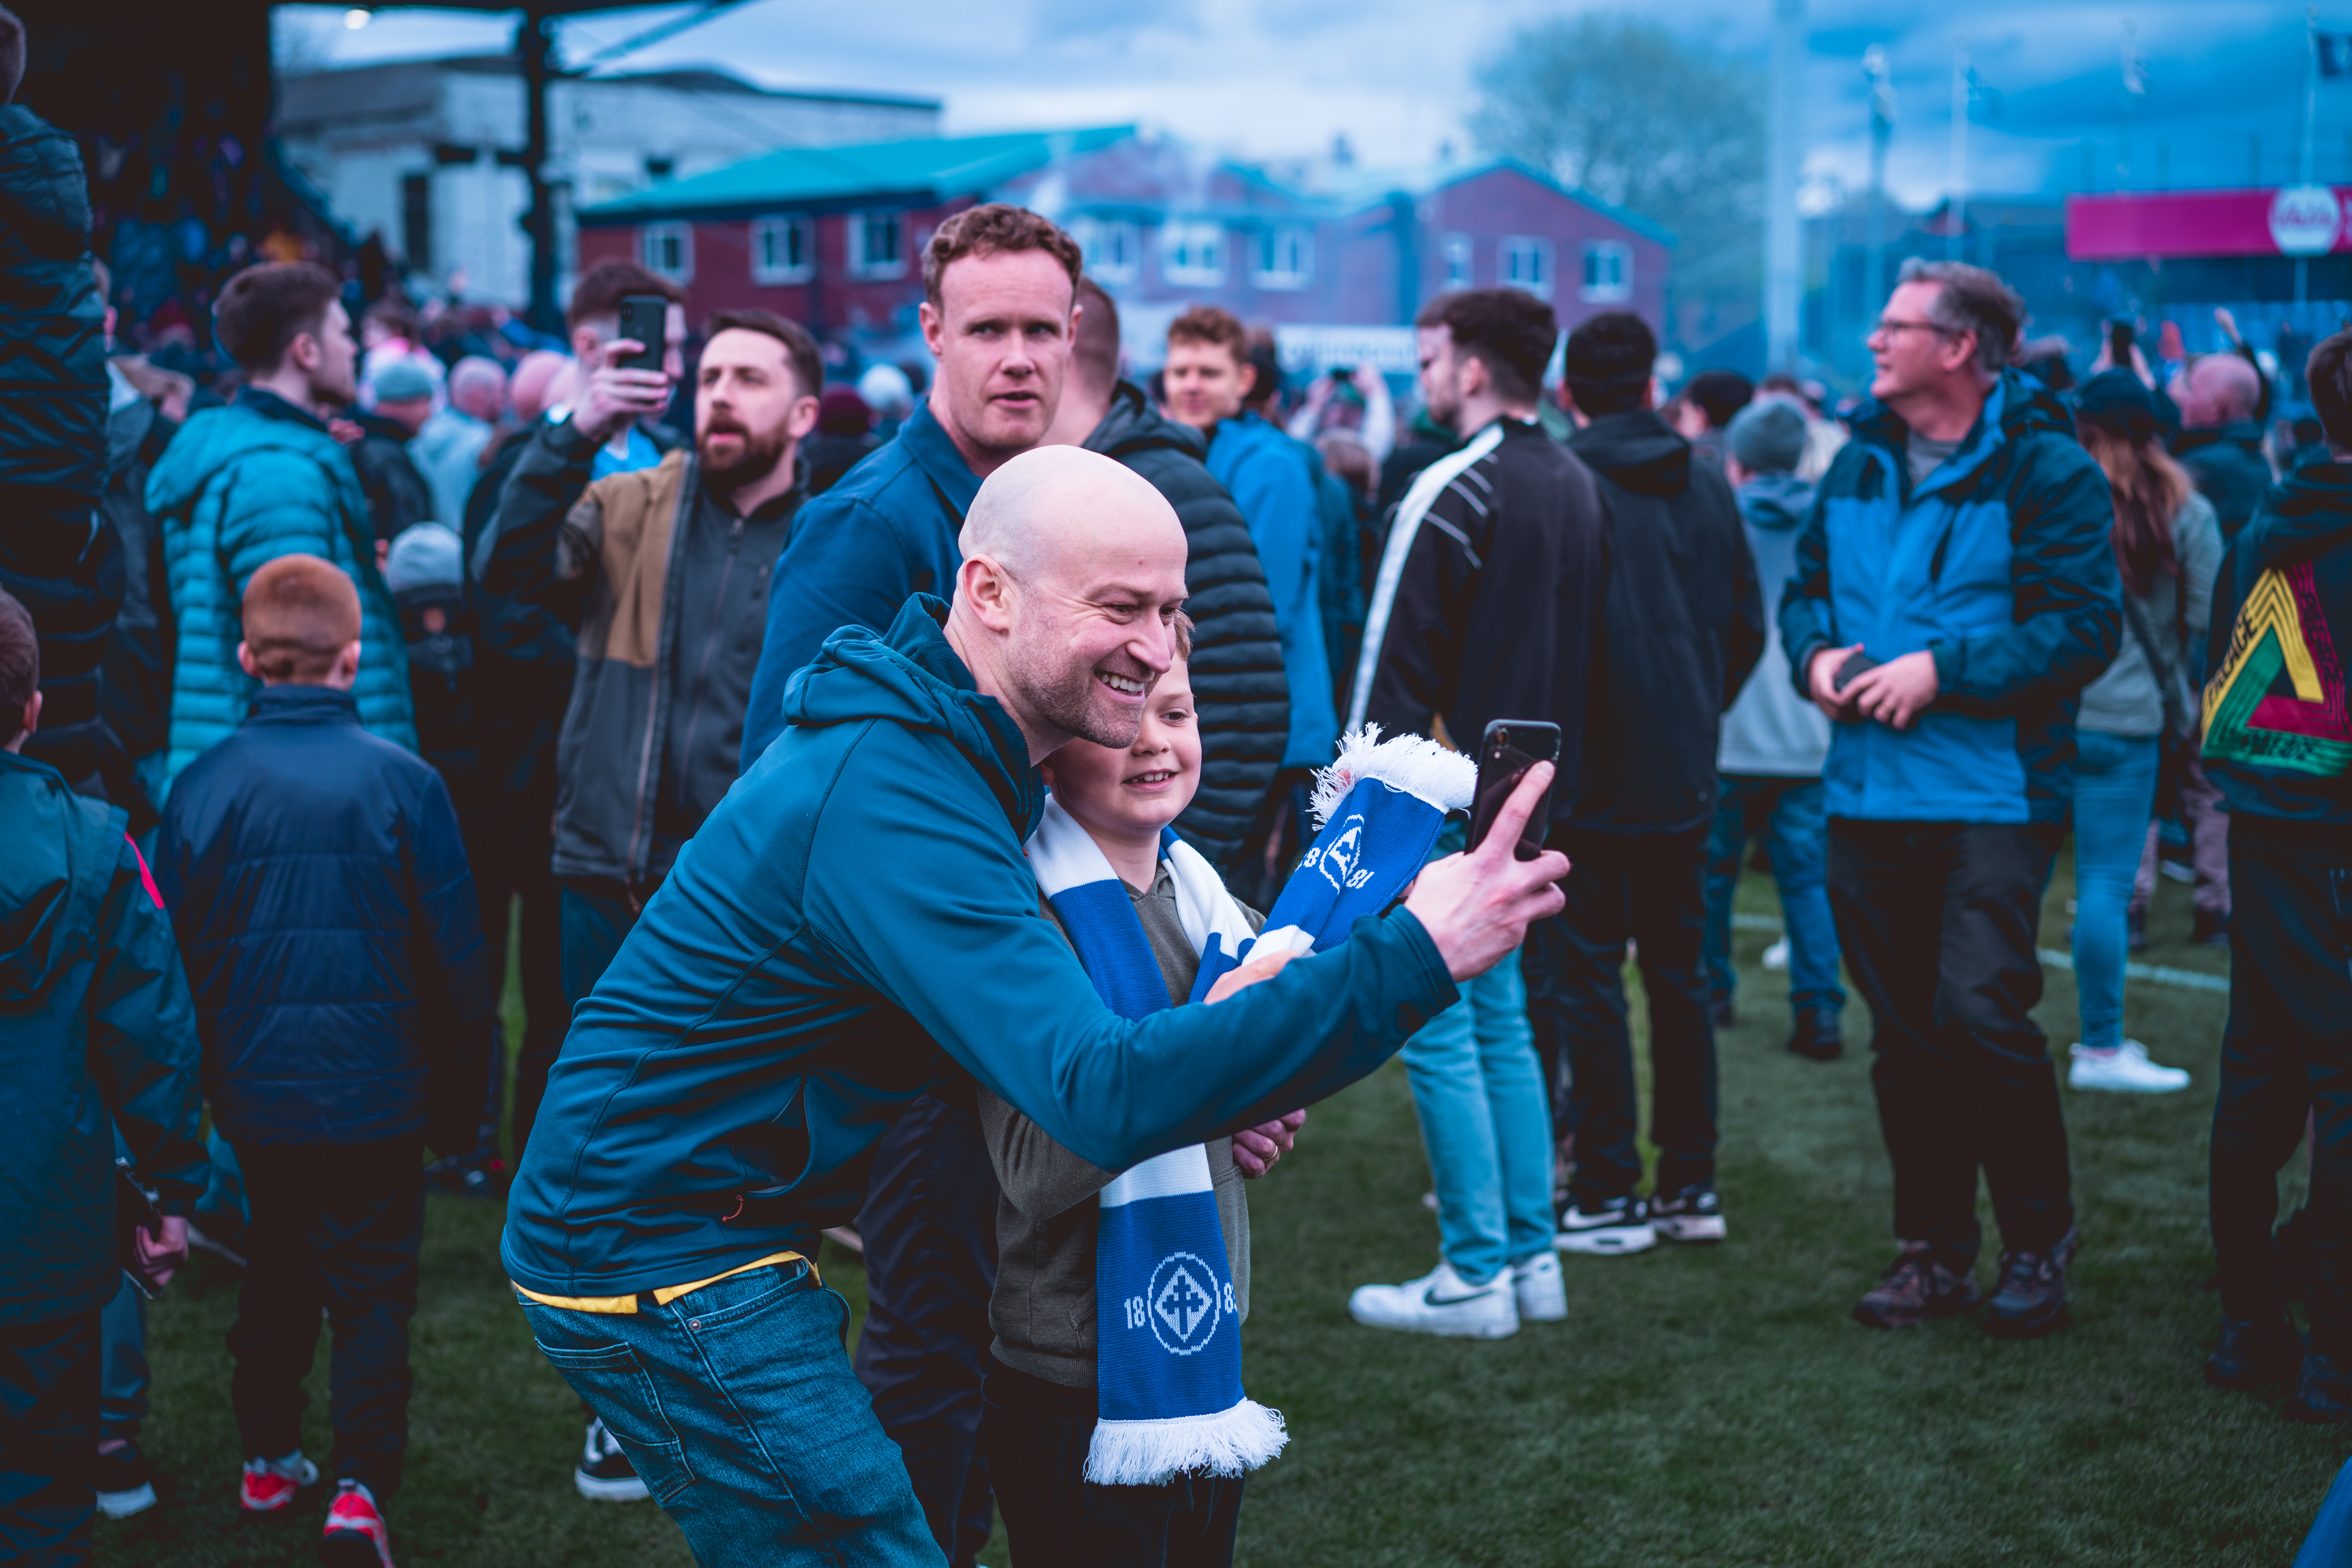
2278 745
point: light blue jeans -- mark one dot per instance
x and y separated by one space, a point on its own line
1485 1120
2114 791
1791 816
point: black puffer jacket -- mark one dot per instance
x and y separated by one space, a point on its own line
53 391
1236 666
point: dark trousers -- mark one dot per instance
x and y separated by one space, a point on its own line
335 1225
511 865
930 1228
1650 888
1037 1433
597 915
49 1430
2287 1051
1938 921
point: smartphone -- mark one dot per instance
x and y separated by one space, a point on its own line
1856 662
1509 748
645 318
2119 344
134 1211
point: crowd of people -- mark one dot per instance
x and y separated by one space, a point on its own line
864 776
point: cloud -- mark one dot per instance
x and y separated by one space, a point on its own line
1275 78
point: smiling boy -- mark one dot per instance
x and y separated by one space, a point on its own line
1041 1402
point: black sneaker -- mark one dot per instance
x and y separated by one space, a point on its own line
2322 1395
120 1478
2031 1300
2253 1353
1695 1214
1817 1036
1611 1230
1916 1290
1718 1010
605 1473
2211 929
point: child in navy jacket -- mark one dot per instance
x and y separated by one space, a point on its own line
328 920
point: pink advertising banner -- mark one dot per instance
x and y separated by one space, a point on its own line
2299 220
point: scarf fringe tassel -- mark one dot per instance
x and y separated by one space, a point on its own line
1148 1453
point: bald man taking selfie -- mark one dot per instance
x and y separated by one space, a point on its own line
855 926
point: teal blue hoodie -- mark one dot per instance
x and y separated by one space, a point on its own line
236 488
855 925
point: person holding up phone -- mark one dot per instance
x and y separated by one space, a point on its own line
663 572
1484 623
1954 592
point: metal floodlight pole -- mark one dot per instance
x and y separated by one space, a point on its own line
1956 209
1881 127
535 51
1784 281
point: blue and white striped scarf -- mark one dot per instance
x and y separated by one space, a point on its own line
1168 1349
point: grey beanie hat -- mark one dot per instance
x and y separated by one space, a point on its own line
1768 437
426 555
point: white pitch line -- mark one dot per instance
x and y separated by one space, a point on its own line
2150 973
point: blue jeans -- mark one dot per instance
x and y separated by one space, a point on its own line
1485 1120
738 1407
2114 791
1788 813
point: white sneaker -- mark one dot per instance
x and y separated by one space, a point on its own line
1440 1303
1536 1288
2122 1070
1621 1228
1776 957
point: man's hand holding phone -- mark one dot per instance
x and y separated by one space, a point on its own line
1821 681
1477 906
617 396
160 1253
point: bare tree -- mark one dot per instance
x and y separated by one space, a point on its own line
1632 113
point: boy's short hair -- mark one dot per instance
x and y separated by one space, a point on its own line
800 349
269 304
2328 373
1508 331
603 287
300 613
1209 324
991 227
20 665
1183 636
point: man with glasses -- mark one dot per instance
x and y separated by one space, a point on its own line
1954 592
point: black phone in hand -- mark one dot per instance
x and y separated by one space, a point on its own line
1856 664
1509 748
644 318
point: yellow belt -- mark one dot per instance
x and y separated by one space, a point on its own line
626 1305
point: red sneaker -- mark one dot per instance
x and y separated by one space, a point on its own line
356 1536
271 1485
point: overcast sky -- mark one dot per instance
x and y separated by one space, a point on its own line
1274 78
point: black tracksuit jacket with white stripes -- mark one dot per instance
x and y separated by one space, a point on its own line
1497 608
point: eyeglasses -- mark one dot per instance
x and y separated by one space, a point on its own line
1891 326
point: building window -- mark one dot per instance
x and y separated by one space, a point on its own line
416 222
1113 250
1527 264
873 246
1455 250
1608 270
1193 252
783 249
668 250
1285 257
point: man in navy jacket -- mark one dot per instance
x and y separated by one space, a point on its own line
1958 546
328 919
